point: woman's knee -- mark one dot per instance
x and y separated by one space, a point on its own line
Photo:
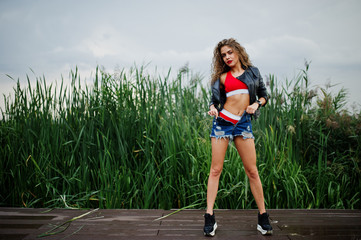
252 173
216 171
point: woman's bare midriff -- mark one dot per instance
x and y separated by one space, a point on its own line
237 104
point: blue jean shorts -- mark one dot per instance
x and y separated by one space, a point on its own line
226 129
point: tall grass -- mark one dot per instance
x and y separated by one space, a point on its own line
133 140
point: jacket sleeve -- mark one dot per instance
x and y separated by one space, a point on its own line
261 90
215 98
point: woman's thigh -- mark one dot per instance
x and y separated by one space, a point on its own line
219 148
247 151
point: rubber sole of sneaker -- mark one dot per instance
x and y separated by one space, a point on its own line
264 232
211 234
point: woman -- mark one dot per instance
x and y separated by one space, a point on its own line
238 92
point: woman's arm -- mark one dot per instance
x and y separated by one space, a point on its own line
251 109
213 111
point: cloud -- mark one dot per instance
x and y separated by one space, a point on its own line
278 35
285 49
180 57
103 41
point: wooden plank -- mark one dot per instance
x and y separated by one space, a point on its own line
23 223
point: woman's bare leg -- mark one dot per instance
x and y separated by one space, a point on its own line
247 151
219 148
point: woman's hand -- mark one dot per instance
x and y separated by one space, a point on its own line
213 111
251 109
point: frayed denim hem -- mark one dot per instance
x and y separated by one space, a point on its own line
229 137
245 135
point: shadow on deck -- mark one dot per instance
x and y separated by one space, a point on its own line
24 223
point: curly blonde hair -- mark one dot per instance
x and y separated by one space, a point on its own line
219 66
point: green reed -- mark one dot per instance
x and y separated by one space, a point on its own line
134 140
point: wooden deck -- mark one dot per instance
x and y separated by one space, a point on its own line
22 223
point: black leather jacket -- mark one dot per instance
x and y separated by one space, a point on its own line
252 78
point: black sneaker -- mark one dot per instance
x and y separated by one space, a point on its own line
263 224
210 225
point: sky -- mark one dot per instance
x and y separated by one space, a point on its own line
50 38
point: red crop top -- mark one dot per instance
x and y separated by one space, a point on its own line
232 84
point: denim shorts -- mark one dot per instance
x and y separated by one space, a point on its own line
226 129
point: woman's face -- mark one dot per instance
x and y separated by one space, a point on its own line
229 56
